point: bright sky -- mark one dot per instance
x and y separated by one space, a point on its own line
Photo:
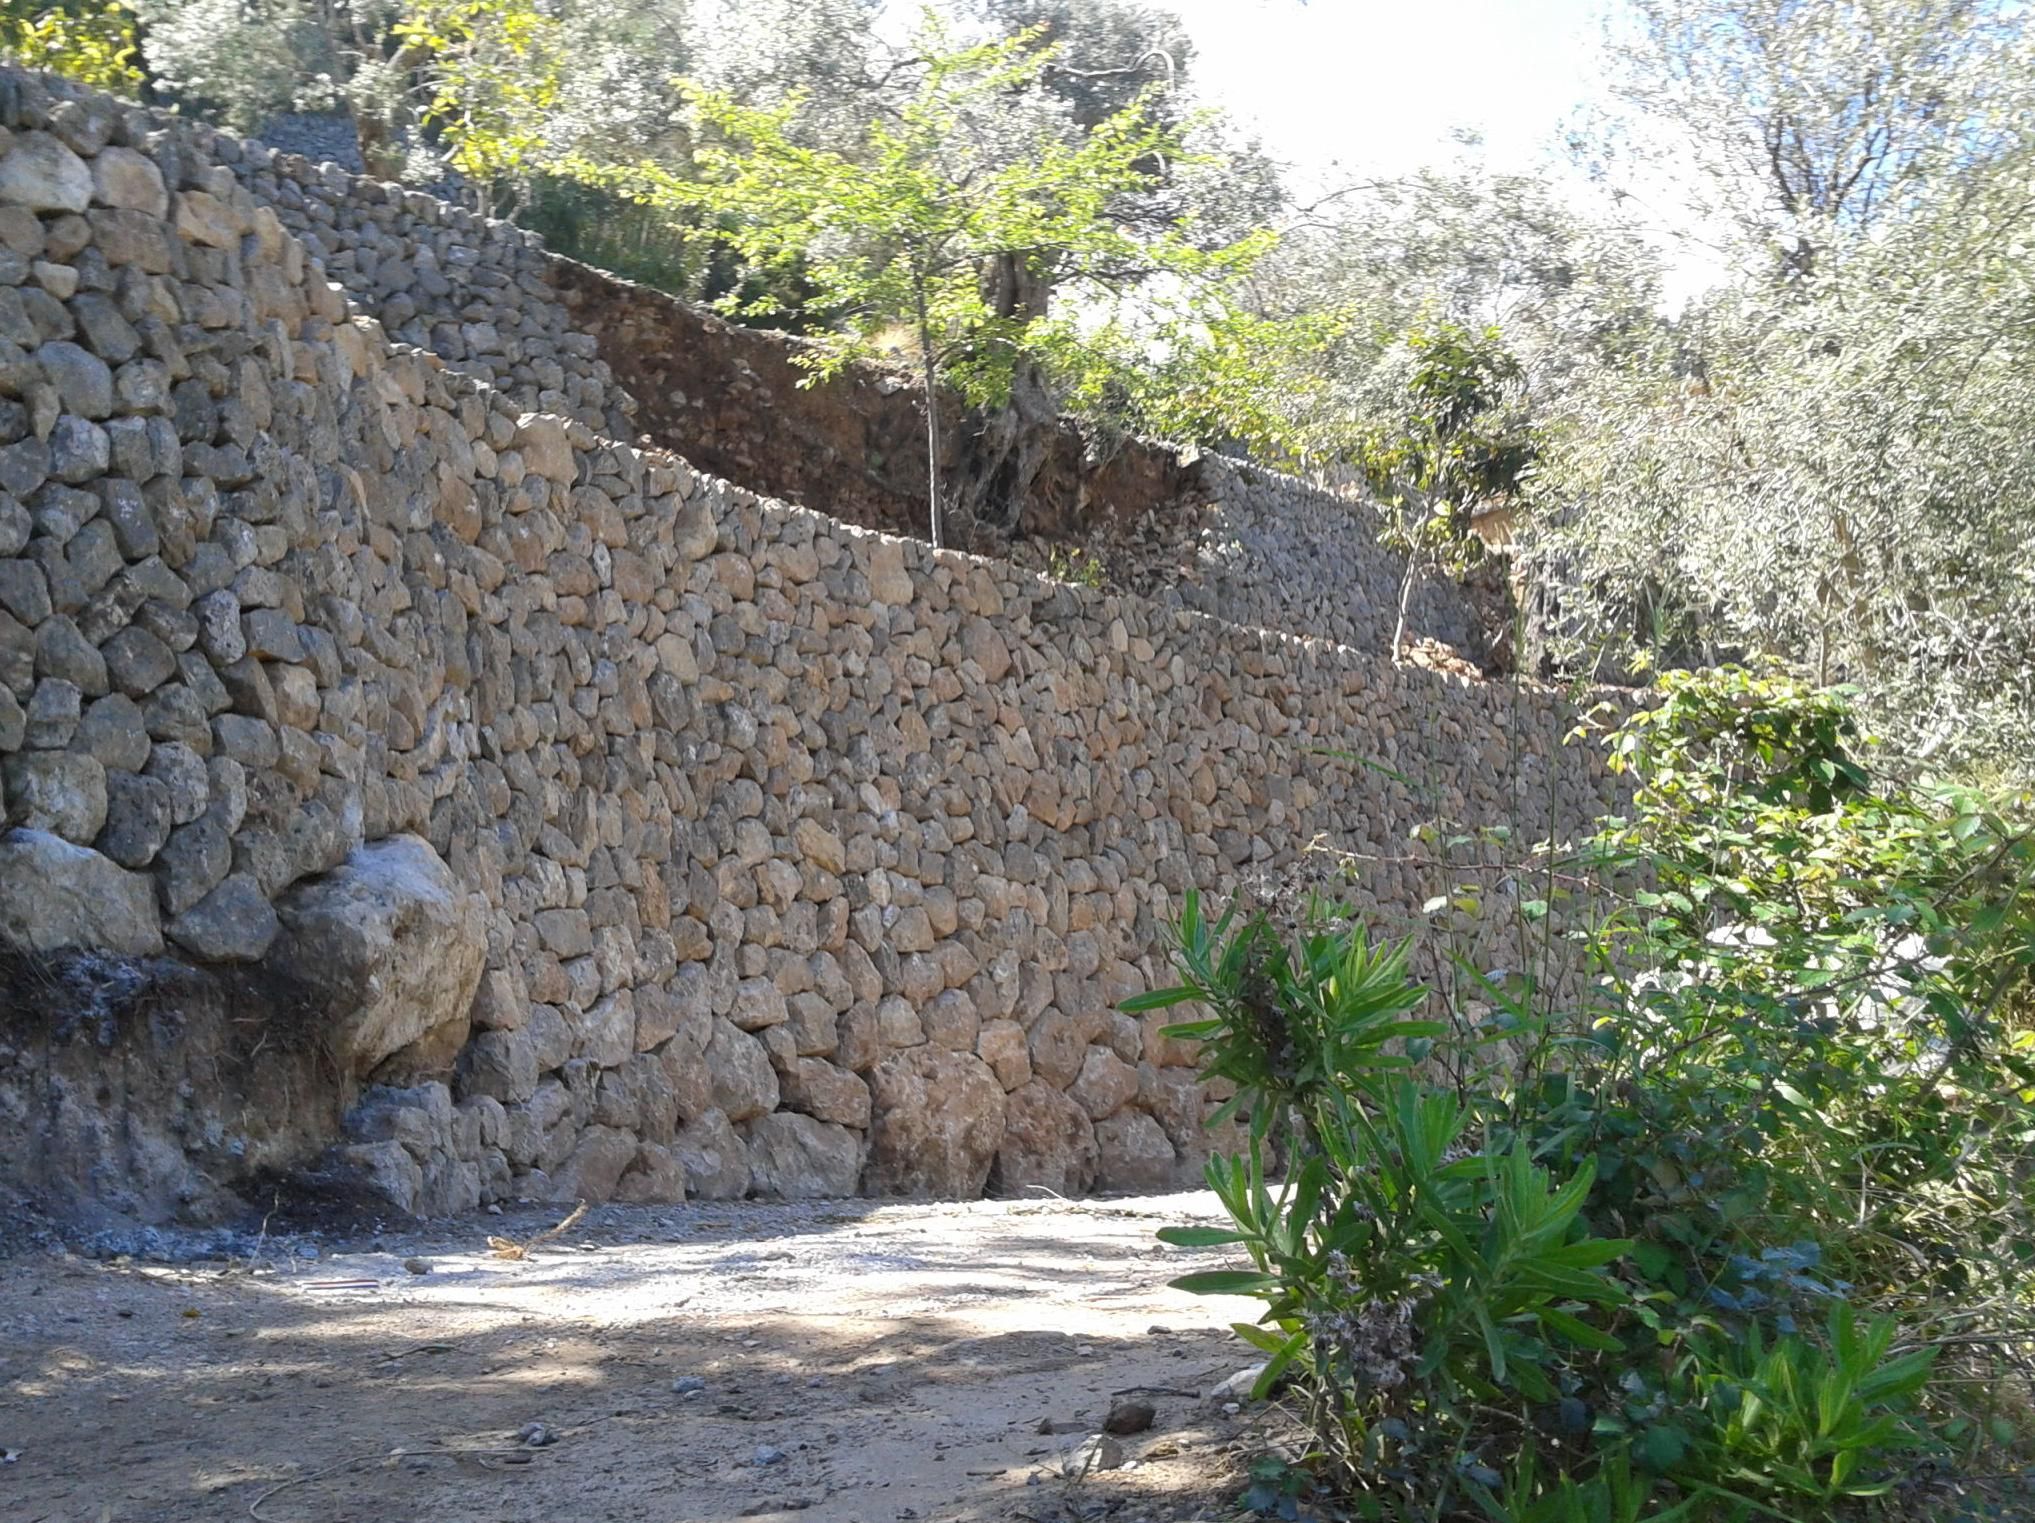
1378 85
1343 89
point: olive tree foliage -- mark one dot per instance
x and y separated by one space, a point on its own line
553 74
244 60
94 43
1563 280
1832 461
1847 486
1784 122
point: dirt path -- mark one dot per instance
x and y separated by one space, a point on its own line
858 1363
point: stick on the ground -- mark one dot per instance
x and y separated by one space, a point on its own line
254 1507
509 1248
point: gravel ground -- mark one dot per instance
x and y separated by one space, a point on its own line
834 1362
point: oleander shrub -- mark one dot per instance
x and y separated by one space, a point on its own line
1740 1235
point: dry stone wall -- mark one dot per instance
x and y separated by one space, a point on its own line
413 788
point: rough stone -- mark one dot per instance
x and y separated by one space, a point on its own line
54 894
939 1122
39 172
62 792
821 1090
391 941
795 1157
715 1161
1048 1141
121 177
739 1073
233 923
655 1177
1132 1155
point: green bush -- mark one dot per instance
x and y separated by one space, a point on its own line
1720 1245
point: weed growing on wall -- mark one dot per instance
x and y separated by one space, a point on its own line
1738 1233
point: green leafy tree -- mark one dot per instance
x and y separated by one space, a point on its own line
1446 444
91 41
922 222
495 72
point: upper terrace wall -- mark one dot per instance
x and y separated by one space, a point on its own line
637 365
387 759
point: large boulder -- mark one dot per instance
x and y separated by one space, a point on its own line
1048 1141
794 1157
54 894
1133 1155
739 1073
939 1122
716 1163
392 947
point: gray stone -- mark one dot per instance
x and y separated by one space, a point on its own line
113 730
54 709
392 943
182 772
233 923
83 381
272 635
1133 1154
24 592
54 894
595 1166
251 742
655 1177
715 1160
219 633
60 511
62 652
385 1169
61 792
500 1064
37 171
794 1157
137 663
24 466
137 819
79 449
195 859
15 525
739 1074
121 177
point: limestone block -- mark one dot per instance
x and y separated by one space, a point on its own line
939 1120
391 943
796 1157
54 894
1048 1140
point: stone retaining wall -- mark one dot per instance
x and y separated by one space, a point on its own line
578 824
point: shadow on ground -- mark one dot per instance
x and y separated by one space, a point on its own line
842 1362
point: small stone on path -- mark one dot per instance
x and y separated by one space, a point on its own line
1128 1417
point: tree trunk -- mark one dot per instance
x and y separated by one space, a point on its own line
932 386
1006 455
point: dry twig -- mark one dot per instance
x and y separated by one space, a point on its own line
509 1248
